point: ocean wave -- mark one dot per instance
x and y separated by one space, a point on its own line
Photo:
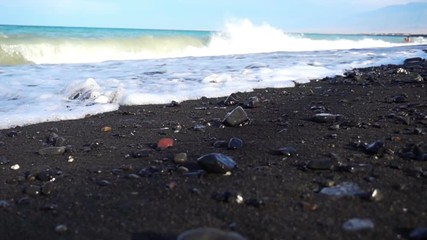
237 37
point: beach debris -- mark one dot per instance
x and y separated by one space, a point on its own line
216 163
237 117
164 143
358 224
418 233
252 102
180 158
325 117
50 151
209 234
342 190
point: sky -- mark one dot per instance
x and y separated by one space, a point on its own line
289 15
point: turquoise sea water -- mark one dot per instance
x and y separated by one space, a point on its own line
58 73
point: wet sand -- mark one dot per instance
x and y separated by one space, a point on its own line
108 178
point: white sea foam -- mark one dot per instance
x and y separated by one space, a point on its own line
51 92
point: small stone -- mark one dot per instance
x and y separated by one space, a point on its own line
3 160
164 143
103 183
15 167
326 117
237 117
133 176
228 197
61 228
231 100
46 176
286 151
358 224
252 102
374 195
418 233
4 204
180 158
343 189
235 143
375 147
32 190
216 163
70 159
141 153
50 151
209 234
106 129
326 164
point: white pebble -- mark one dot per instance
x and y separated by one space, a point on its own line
14 167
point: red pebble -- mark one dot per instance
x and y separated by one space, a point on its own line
165 143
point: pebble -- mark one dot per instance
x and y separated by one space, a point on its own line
216 163
141 153
286 151
32 190
237 117
374 195
4 204
15 167
3 160
106 129
164 143
228 197
252 102
235 143
358 224
209 234
180 158
46 176
418 233
343 189
103 183
325 164
375 147
325 117
231 100
61 228
50 151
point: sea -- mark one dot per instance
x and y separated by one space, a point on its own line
63 73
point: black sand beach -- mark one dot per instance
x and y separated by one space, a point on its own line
104 177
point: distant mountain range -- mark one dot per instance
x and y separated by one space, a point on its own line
408 18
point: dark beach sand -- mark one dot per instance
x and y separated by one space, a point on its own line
107 193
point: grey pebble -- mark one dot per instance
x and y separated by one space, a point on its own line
50 151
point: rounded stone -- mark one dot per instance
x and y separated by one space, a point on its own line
50 151
235 143
236 117
180 158
216 163
209 234
164 143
